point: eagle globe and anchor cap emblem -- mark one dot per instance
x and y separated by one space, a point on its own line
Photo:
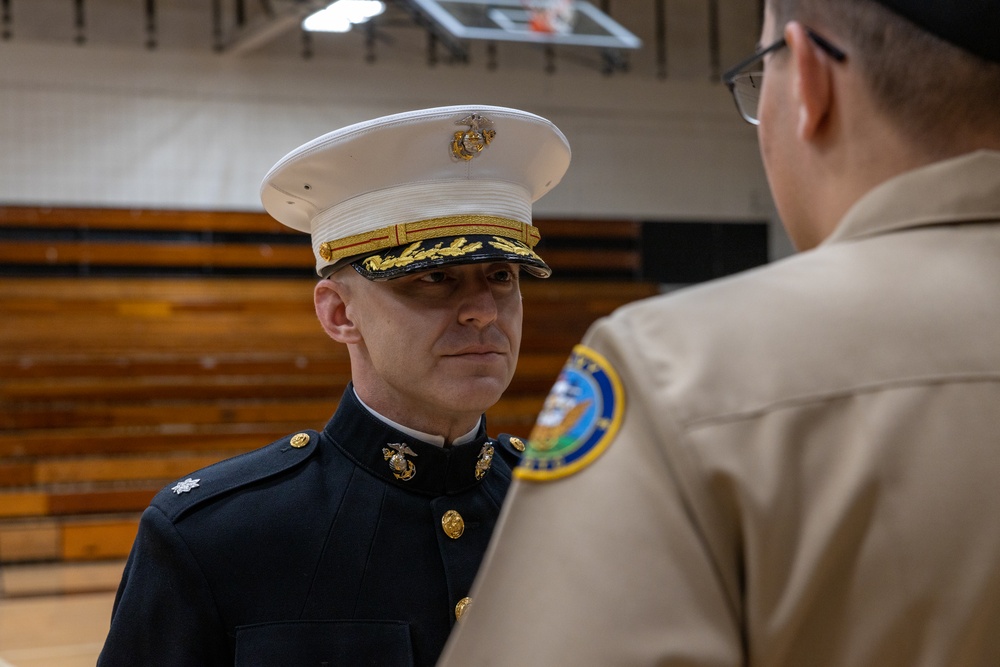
467 144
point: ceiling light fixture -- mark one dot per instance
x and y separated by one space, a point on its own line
341 15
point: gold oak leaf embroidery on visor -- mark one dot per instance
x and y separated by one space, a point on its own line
457 248
509 246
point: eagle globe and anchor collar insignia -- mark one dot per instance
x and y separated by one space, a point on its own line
578 421
485 460
402 468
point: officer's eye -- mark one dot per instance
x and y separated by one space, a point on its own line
503 276
434 277
504 273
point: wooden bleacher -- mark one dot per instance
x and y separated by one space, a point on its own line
136 347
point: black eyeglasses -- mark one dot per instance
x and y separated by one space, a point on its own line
746 78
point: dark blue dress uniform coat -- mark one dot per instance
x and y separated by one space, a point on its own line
310 551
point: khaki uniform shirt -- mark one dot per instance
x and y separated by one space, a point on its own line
805 470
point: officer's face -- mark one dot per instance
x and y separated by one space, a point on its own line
433 350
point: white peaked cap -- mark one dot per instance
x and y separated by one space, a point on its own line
420 189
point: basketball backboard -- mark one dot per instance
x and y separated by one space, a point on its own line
567 22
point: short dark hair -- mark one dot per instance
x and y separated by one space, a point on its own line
937 92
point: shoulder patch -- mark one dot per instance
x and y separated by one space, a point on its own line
578 421
201 486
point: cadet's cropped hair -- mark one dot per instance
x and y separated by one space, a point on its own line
936 91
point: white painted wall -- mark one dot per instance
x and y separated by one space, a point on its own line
118 126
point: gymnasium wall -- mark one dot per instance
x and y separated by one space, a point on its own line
115 126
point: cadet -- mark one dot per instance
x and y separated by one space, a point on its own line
358 544
798 465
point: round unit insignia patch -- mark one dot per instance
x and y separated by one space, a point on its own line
578 421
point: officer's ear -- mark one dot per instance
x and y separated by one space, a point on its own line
331 298
813 81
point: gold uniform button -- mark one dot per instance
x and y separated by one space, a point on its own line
462 607
518 444
299 440
453 524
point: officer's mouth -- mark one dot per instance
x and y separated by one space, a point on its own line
478 353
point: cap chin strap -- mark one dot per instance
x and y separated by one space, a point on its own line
401 234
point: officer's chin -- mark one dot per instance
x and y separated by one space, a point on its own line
479 393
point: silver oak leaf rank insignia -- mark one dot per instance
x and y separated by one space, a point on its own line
185 486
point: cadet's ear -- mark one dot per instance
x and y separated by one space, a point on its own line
331 298
813 84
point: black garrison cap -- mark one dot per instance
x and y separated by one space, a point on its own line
973 25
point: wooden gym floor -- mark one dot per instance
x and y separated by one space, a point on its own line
55 615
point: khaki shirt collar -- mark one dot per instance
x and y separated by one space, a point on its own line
958 190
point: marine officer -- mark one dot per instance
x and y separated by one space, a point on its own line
358 544
797 465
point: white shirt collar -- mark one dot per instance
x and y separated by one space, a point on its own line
420 435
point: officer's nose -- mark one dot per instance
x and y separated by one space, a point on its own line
478 306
